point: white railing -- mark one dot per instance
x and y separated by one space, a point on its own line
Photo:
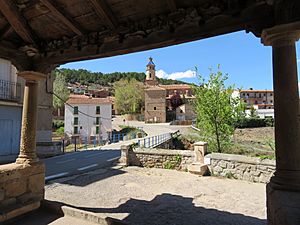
153 141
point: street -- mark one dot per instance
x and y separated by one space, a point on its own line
78 162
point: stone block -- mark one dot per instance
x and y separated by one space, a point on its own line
218 169
36 183
16 187
223 164
198 168
8 202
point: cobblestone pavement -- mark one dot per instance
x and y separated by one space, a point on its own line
144 196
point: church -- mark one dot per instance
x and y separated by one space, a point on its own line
165 103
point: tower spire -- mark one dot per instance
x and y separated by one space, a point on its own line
150 73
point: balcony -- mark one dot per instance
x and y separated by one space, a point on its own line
10 91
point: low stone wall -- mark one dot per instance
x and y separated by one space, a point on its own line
160 158
21 189
240 167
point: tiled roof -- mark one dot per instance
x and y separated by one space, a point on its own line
256 91
176 86
155 88
83 99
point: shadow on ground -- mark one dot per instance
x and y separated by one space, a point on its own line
38 217
168 209
91 177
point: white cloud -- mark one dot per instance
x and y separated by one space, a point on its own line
176 75
298 60
161 74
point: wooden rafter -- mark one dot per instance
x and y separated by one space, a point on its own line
63 17
103 11
5 31
17 21
172 5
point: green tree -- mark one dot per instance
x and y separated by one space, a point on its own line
59 89
129 96
217 110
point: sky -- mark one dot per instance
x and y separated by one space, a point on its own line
246 61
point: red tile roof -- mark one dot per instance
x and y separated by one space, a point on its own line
83 99
176 86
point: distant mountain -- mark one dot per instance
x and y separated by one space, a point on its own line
86 77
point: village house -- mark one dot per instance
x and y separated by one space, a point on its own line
262 99
88 118
262 102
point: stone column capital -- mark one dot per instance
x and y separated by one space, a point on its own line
281 35
32 76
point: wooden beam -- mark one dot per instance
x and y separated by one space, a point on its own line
17 21
5 31
103 10
63 17
172 5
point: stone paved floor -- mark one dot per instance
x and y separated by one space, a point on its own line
144 196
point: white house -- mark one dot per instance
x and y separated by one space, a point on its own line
89 118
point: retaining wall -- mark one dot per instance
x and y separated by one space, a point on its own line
241 167
160 158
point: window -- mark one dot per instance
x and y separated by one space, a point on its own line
181 111
75 120
75 130
97 130
154 108
97 109
271 94
97 120
75 110
255 102
271 101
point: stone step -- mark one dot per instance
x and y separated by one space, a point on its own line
198 168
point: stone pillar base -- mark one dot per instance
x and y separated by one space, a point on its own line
283 207
21 189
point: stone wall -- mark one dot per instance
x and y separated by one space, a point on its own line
240 167
21 189
161 158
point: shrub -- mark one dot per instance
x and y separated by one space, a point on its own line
57 124
60 131
254 122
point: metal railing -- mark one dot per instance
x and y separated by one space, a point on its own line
150 142
10 91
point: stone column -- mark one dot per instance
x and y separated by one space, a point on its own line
283 191
29 117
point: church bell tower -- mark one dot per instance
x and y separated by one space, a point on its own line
150 73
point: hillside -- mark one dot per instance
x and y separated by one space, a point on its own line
87 77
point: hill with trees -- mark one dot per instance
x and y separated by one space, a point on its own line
86 77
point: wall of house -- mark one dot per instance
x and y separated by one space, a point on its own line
12 110
86 124
10 129
155 105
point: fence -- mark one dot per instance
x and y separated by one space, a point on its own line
150 142
10 90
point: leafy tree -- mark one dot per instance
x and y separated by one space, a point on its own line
60 89
217 111
129 96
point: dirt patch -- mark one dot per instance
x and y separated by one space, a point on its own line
160 197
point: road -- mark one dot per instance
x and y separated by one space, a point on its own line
79 162
83 161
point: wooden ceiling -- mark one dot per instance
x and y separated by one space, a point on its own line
41 34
